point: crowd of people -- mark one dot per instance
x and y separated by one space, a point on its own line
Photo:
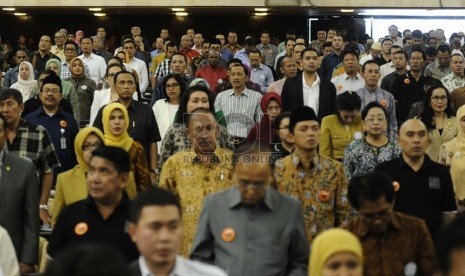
335 156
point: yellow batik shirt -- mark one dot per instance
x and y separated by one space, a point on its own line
192 180
322 190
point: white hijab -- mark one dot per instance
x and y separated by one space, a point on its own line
25 86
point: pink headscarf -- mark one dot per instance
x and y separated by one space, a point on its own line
76 39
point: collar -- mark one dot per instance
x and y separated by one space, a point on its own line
124 203
236 200
314 164
265 46
245 92
346 76
427 163
371 90
316 82
41 111
259 68
361 229
144 270
215 157
132 105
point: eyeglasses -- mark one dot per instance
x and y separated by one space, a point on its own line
172 85
436 99
89 146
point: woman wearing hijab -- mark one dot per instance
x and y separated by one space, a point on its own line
265 130
452 154
68 90
71 185
77 38
115 121
336 250
26 82
85 88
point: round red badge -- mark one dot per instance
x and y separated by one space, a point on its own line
406 81
384 103
228 234
323 196
81 228
63 123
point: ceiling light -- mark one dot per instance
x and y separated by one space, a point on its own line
178 9
261 14
100 14
414 12
9 9
95 9
347 10
181 14
20 14
261 9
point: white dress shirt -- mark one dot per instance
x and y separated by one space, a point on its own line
346 83
8 263
312 93
97 66
183 267
142 73
101 98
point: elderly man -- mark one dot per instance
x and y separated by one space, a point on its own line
252 229
318 182
394 35
288 68
205 163
40 57
19 205
375 51
440 67
212 72
101 217
387 235
455 79
319 41
425 187
260 73
58 48
159 246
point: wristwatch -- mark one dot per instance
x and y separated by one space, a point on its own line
43 206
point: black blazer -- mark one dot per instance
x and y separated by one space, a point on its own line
134 268
292 96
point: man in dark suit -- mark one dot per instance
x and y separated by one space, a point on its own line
308 89
19 204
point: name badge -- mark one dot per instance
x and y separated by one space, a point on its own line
434 183
63 143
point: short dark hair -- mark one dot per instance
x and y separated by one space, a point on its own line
371 105
179 80
246 71
11 93
450 239
117 156
87 37
181 116
21 50
125 72
394 47
370 187
266 32
129 41
171 44
288 39
283 115
120 61
72 43
368 62
401 52
327 44
406 38
386 39
444 48
124 37
349 51
199 110
152 197
417 34
348 101
417 49
179 54
308 49
88 259
255 51
234 60
430 52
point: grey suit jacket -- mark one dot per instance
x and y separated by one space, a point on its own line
19 206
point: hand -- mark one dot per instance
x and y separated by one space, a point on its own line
26 268
45 216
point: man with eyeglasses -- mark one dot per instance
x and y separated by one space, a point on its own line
393 243
58 48
318 182
25 139
61 126
252 229
70 53
425 187
373 93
